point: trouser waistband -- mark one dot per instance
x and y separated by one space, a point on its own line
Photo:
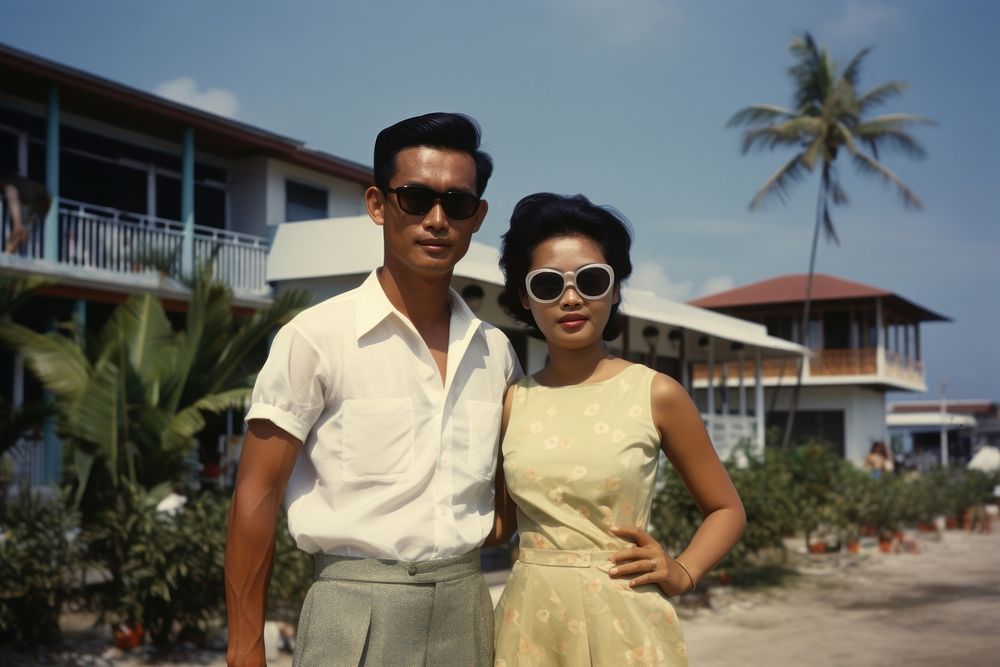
345 568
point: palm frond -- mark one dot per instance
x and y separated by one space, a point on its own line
54 359
870 166
880 94
250 334
853 69
780 182
791 132
892 139
190 420
759 114
900 120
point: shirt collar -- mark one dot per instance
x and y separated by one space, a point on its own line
373 307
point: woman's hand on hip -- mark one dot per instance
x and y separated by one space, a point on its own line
648 563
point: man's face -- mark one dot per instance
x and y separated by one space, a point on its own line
432 243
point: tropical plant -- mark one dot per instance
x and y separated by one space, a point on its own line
829 117
131 398
165 567
39 550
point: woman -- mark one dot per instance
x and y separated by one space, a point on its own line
580 449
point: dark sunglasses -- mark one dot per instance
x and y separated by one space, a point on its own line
418 200
592 281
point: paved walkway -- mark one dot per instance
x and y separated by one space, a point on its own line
939 607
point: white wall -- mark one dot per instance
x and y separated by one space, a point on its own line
248 196
344 197
864 413
323 288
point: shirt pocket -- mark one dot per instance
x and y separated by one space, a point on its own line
378 438
483 429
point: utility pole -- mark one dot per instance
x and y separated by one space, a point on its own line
944 425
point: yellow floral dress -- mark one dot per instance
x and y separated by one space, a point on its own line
579 460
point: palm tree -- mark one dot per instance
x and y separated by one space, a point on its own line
132 398
829 118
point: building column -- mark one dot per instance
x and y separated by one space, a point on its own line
724 402
758 396
187 203
685 366
711 390
50 243
880 338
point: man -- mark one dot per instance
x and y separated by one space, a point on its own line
386 402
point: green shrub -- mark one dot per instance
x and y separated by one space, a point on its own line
166 571
39 554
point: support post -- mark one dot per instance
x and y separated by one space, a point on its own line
758 396
187 203
50 238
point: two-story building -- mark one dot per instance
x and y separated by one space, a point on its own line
145 188
138 182
864 341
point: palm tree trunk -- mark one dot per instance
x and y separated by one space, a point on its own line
793 402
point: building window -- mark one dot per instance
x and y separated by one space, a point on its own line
304 202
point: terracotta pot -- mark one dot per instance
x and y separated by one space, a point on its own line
926 527
127 637
725 578
817 548
867 531
951 522
853 547
885 546
898 535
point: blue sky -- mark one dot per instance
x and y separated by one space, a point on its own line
622 100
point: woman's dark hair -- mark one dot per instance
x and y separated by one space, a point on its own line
453 131
545 215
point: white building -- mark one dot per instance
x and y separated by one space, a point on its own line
864 341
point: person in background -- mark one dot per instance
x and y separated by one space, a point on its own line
28 202
878 461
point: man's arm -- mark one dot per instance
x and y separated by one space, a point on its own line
266 463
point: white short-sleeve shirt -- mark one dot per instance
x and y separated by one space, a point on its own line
395 463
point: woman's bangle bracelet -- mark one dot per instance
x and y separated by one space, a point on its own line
688 573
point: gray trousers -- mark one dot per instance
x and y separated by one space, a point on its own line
364 611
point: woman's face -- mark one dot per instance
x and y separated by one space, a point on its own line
571 321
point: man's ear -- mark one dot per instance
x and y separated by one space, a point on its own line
484 207
375 204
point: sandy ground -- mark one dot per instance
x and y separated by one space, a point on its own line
938 607
941 607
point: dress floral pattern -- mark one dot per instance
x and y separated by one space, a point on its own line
579 460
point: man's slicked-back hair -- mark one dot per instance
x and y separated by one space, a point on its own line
543 216
454 131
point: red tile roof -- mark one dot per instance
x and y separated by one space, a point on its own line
792 289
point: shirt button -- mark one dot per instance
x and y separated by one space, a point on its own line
411 569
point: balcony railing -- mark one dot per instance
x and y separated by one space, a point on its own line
728 431
827 363
770 368
96 237
903 368
844 362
